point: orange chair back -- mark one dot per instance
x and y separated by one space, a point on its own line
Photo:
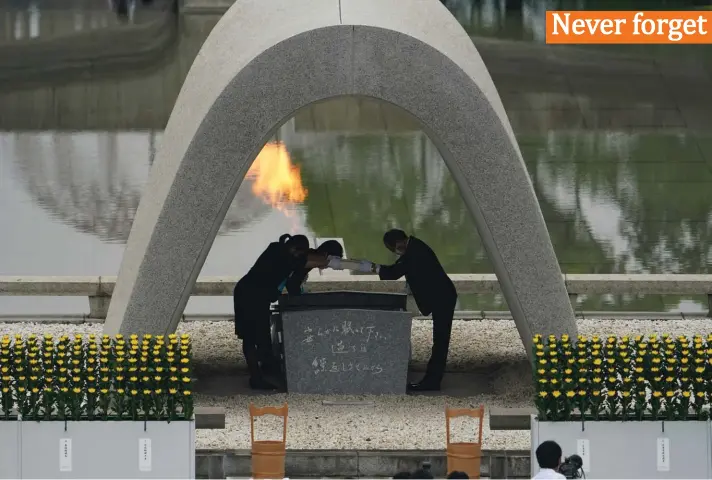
268 456
464 456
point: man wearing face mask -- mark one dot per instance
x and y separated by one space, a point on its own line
433 291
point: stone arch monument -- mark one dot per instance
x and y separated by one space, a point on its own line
263 61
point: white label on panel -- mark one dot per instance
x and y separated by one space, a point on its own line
663 454
144 454
583 451
65 454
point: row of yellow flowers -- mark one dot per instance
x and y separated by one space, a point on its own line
626 378
96 377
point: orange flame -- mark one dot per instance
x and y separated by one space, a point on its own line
276 180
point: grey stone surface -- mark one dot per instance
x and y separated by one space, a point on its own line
510 418
346 351
9 449
576 284
209 418
666 284
263 61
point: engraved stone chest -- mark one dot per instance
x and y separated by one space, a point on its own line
346 343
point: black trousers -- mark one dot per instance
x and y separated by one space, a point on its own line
442 328
252 325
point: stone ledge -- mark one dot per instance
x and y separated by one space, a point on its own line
358 463
672 284
209 418
465 315
510 418
665 284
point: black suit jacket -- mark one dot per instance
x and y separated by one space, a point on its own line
430 285
274 266
297 278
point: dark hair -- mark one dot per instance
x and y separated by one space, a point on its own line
422 473
402 475
548 454
300 242
457 474
391 237
331 247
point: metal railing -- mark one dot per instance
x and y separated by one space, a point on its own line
100 288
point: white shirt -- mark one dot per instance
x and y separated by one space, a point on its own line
547 473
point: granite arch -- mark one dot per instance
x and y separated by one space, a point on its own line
263 61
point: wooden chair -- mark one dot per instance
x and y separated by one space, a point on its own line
268 455
464 456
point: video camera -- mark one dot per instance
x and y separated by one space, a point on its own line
572 467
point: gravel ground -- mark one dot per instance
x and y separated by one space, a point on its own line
389 422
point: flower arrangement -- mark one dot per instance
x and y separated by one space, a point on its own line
641 378
105 378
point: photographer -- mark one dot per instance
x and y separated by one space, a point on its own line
548 456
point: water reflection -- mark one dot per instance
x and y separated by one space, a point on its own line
93 181
29 20
526 19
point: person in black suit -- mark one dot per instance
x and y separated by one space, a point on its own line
253 295
433 291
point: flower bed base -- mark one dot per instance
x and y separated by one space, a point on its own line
632 449
9 449
96 449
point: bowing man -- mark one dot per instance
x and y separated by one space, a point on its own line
432 290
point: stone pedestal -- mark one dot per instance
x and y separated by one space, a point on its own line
346 343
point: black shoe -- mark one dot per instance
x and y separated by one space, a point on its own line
261 384
423 387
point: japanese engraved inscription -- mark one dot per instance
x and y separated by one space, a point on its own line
347 351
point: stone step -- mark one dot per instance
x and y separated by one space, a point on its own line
358 463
